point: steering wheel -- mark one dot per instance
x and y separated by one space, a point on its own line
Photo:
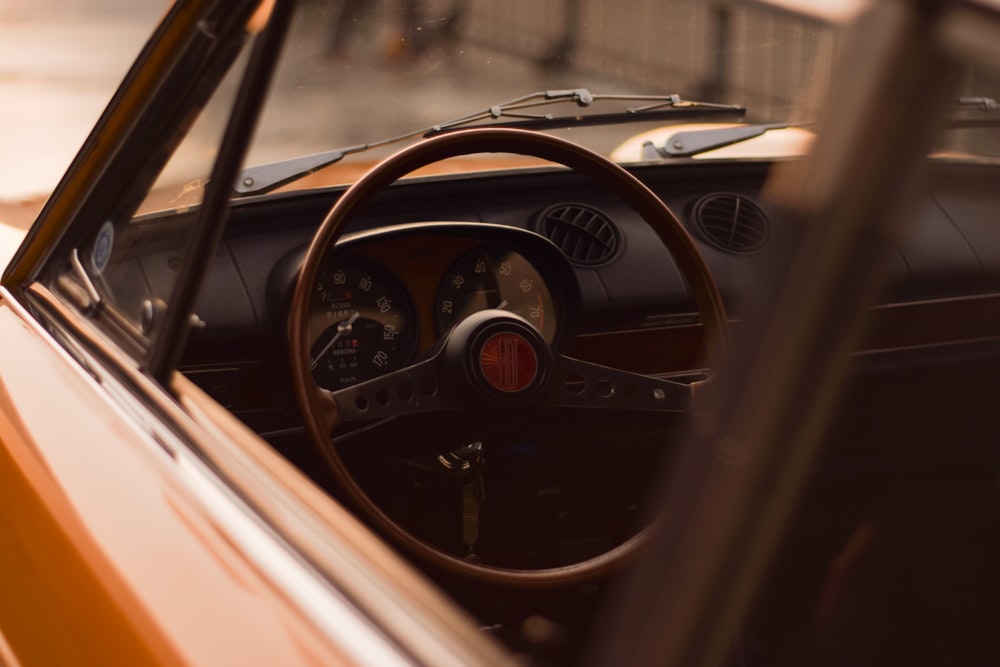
492 364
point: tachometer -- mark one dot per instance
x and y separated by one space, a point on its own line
496 277
361 323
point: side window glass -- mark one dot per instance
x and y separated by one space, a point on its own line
133 259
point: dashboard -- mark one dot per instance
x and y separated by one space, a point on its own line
549 246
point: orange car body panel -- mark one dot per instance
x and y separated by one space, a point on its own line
105 557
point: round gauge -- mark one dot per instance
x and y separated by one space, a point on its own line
361 323
496 277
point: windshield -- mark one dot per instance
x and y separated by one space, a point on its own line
356 73
357 80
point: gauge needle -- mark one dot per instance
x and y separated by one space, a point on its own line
342 329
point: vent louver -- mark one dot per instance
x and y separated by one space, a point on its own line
584 234
731 222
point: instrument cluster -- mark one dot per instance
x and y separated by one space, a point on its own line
382 299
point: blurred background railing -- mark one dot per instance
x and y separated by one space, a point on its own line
715 51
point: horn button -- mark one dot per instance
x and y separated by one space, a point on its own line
504 361
508 362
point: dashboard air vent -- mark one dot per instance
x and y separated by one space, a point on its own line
731 222
584 234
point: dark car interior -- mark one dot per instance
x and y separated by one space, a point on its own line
910 459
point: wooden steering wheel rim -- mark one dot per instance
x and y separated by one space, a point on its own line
314 402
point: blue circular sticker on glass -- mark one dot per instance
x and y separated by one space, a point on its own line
102 246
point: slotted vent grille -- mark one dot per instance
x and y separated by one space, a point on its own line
584 234
731 222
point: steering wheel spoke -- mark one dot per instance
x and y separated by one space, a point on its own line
580 384
407 391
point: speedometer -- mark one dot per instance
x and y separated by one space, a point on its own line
361 323
496 277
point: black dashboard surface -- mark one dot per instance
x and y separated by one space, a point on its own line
631 300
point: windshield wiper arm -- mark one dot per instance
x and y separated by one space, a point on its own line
267 177
970 112
694 142
967 112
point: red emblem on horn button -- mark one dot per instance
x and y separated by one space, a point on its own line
508 362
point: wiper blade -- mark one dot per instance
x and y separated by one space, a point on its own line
653 108
513 113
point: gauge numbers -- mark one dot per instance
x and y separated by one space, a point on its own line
495 277
361 323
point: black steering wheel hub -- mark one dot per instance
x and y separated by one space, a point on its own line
497 364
